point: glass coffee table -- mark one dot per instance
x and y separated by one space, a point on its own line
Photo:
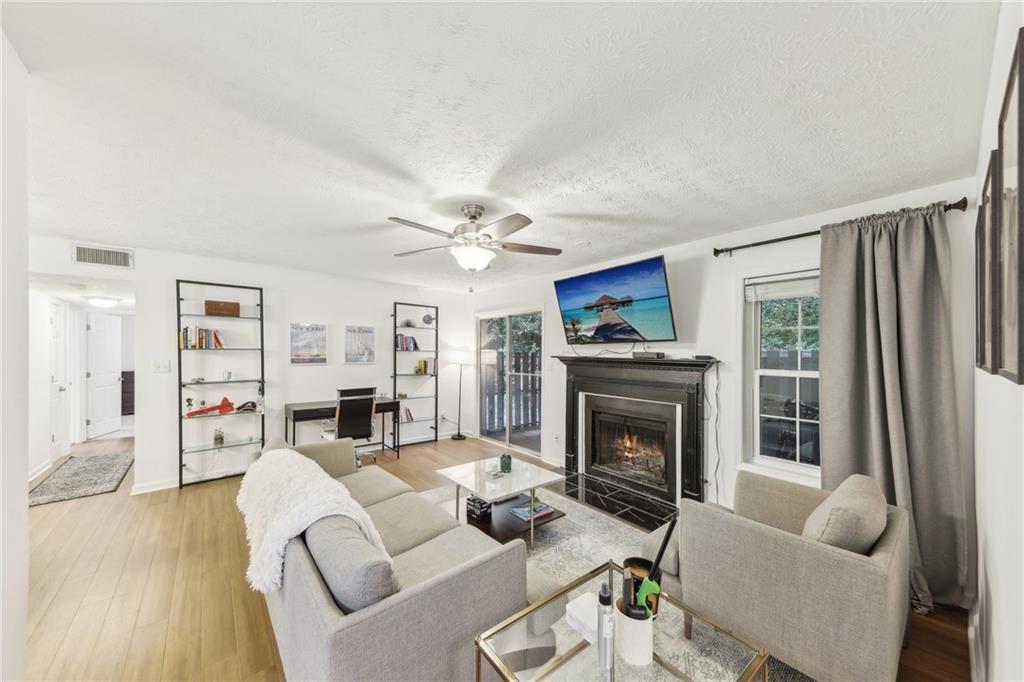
538 643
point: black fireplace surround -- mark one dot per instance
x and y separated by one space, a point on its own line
623 437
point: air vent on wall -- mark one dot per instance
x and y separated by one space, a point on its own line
96 255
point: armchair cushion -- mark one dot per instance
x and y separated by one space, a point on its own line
651 545
852 517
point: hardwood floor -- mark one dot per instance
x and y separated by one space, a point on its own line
153 587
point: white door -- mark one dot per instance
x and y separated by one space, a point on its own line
58 384
103 374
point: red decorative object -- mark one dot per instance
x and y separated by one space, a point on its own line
223 407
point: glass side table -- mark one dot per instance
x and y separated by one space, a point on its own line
537 643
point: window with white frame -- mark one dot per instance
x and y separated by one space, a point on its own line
782 341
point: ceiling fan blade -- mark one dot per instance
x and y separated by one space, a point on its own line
506 226
432 248
512 247
431 230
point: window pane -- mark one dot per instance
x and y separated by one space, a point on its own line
809 348
783 312
778 438
809 311
778 396
779 348
810 447
526 343
809 399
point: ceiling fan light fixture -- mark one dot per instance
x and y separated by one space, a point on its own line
472 257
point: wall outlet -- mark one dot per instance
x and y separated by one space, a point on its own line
161 366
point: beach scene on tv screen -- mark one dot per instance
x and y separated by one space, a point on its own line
625 304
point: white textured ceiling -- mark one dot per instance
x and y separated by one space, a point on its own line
287 133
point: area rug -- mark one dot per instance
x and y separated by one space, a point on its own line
82 477
568 547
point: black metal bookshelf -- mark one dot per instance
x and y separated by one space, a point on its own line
416 312
210 449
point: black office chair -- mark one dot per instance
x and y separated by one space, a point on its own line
353 417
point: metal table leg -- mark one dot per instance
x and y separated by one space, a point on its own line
457 486
533 504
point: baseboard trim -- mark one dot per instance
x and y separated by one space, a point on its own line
975 645
39 471
143 488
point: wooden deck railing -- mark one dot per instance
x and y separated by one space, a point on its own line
524 406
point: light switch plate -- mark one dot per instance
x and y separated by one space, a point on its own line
161 366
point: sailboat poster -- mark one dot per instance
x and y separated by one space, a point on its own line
359 346
308 343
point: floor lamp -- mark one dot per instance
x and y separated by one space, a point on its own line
458 428
463 359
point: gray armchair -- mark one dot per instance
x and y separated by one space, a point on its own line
831 613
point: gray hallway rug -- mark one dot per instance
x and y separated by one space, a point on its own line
566 548
82 477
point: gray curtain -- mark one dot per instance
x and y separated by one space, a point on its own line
888 400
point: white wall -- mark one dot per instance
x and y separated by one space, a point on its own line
707 301
127 343
289 296
39 427
997 624
13 365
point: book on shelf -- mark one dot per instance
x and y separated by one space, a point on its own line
540 510
407 415
199 338
406 342
425 366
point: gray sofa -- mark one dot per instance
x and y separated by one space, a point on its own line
344 613
832 613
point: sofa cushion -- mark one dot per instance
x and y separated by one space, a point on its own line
852 517
408 520
357 573
371 485
440 554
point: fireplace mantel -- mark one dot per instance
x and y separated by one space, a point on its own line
667 380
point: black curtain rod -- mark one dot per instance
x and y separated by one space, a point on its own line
959 206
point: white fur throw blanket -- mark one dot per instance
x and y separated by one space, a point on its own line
282 494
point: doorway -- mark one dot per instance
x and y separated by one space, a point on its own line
510 362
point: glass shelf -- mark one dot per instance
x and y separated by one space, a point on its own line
184 350
416 397
223 317
186 384
420 350
228 444
216 414
413 374
417 421
432 329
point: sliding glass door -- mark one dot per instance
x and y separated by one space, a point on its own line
510 379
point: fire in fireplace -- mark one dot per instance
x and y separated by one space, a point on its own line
631 446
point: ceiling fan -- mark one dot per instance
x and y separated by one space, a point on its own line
475 245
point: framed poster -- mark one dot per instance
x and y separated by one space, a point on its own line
359 346
986 266
1010 354
308 343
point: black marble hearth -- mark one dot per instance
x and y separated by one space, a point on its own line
624 475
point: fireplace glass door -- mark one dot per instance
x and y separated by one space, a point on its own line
631 446
510 379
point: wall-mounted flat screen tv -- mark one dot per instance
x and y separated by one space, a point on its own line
625 304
